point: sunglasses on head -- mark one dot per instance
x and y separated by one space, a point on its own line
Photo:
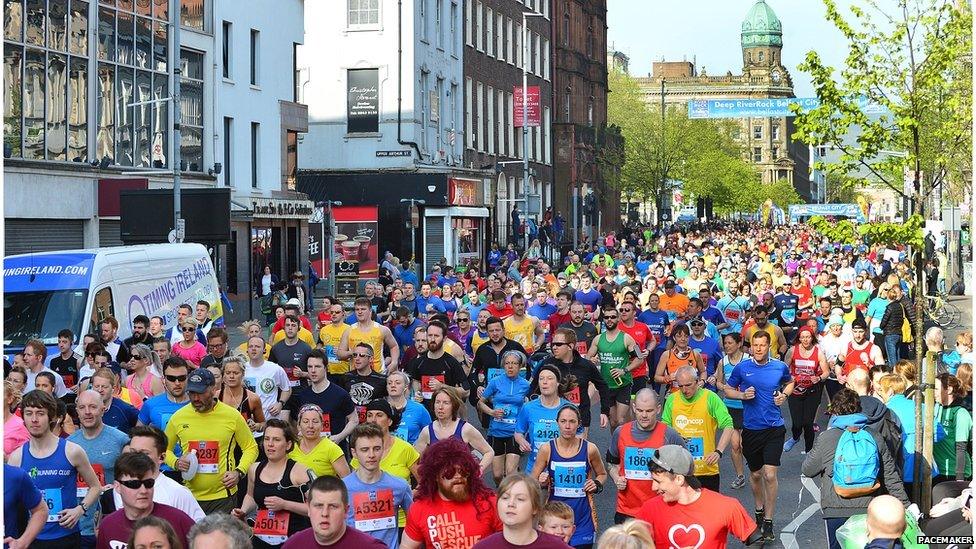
135 484
175 379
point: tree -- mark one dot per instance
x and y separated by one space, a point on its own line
914 63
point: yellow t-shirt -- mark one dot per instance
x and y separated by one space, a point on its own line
303 334
329 337
372 337
320 459
242 348
397 462
211 435
477 341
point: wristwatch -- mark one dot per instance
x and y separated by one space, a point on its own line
84 508
719 452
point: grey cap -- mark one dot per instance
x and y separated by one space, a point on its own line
674 459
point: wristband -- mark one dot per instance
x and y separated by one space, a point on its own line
599 486
719 452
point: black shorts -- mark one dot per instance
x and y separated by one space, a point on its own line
640 382
710 481
621 395
736 414
763 447
503 445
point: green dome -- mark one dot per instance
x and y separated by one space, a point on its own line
761 27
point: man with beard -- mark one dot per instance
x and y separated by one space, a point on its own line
696 516
362 383
569 361
618 356
585 330
372 333
453 507
487 363
140 332
436 367
860 354
208 432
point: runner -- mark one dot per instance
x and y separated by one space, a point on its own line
502 400
157 410
436 368
523 329
152 442
519 507
266 379
629 454
330 335
233 393
536 423
584 329
448 424
808 366
327 510
587 377
618 356
680 354
732 344
642 336
861 353
362 382
314 450
338 414
21 498
763 384
413 416
487 364
291 354
368 331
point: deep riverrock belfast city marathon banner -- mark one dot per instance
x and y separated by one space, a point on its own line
362 104
761 108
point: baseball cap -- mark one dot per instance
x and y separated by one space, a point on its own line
697 320
562 276
676 460
293 301
199 381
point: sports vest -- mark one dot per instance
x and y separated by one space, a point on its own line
634 458
522 332
857 358
804 369
613 354
372 337
694 422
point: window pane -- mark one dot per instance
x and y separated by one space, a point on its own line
161 9
143 43
125 5
34 79
57 22
78 28
143 113
105 140
191 150
124 96
13 19
57 104
160 46
106 34
160 133
12 98
191 100
191 14
35 22
78 110
126 39
192 64
144 7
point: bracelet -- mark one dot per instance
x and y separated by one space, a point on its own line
599 486
719 452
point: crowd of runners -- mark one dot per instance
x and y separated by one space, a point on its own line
455 410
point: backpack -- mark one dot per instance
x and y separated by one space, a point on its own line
856 464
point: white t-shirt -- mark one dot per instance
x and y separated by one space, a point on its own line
267 381
169 492
59 387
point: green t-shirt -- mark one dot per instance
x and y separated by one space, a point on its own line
716 408
860 297
819 290
958 425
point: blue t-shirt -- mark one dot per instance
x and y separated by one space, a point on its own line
412 420
102 450
733 310
538 424
433 301
657 321
760 412
542 312
713 315
710 351
19 495
475 309
591 299
876 310
373 507
157 410
404 335
121 415
786 306
507 394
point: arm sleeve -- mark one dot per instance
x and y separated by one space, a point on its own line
733 380
740 523
719 411
144 414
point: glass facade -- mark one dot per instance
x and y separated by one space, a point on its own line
51 80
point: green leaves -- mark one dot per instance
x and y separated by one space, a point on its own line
886 234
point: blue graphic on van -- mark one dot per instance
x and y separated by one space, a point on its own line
39 272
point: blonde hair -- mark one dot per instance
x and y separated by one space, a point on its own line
907 369
965 376
966 338
893 383
247 326
13 392
558 510
633 534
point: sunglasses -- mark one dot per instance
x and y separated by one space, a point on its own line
188 329
464 320
610 317
135 484
558 344
362 355
137 357
176 379
451 472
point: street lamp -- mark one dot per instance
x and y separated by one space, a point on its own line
413 233
525 117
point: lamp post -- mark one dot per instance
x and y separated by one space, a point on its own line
413 234
525 118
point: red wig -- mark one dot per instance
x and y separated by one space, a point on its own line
443 455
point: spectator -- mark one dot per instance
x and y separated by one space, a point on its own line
886 523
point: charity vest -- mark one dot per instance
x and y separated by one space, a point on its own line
857 358
694 422
372 337
674 362
614 354
804 369
522 333
634 458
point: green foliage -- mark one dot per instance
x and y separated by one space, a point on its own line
886 234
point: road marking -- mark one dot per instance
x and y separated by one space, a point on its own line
788 534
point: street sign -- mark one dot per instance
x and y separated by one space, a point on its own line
534 204
180 229
762 108
952 219
534 110
390 154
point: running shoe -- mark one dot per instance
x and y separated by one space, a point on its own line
789 444
739 482
767 530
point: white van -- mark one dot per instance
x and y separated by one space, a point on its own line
46 292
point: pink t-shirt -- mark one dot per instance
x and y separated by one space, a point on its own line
194 354
14 434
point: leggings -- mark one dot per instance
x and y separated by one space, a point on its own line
803 413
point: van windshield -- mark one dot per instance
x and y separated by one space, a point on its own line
41 315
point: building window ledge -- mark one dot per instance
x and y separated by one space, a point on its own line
366 135
365 28
229 81
255 87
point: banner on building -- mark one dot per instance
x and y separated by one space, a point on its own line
532 110
762 108
362 106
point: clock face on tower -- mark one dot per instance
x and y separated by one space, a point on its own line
776 76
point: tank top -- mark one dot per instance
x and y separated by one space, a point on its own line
727 368
57 479
613 354
146 387
457 432
634 457
477 340
244 407
272 528
567 477
857 358
695 423
521 332
372 337
675 362
804 369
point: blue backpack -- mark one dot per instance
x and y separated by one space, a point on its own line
857 462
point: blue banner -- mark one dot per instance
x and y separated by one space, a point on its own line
851 211
40 272
760 108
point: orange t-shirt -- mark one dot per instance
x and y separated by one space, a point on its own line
676 304
452 525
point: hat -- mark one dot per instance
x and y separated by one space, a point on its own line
294 301
199 381
676 460
859 324
562 276
697 320
382 405
835 319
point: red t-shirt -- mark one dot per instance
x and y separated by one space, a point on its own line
503 313
452 525
705 524
642 335
115 529
557 319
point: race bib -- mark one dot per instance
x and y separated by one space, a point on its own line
568 478
361 410
330 352
82 488
52 496
293 380
271 527
494 372
374 510
545 430
426 390
732 315
581 347
574 395
696 445
326 425
207 454
789 315
635 463
509 417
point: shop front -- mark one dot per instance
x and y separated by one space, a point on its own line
457 233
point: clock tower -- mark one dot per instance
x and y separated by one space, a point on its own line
762 47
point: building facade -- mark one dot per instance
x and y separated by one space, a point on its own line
493 66
384 82
87 113
767 141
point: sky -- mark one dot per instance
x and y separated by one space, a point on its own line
709 30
